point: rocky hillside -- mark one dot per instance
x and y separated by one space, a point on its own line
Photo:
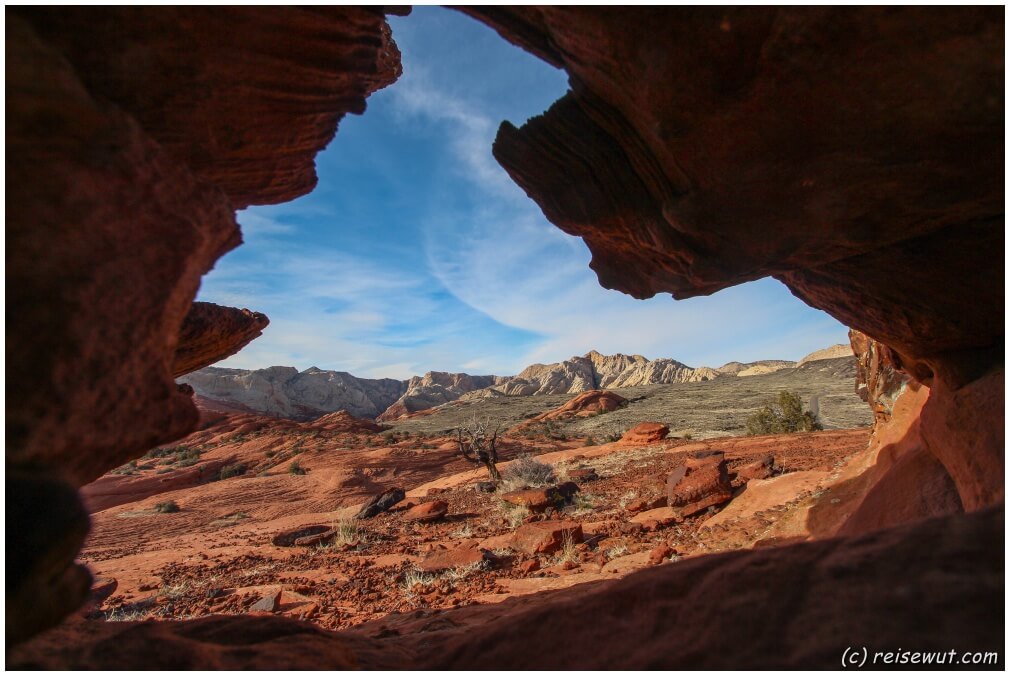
285 392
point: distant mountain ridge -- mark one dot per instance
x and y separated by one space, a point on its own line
284 391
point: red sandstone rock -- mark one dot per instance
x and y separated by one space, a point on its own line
460 557
211 333
267 603
759 469
427 511
700 483
643 504
587 403
545 537
528 566
540 499
659 554
645 433
289 538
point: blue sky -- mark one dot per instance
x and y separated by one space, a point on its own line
416 252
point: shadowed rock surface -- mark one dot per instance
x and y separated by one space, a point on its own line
854 154
211 333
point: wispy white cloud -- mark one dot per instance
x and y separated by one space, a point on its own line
493 287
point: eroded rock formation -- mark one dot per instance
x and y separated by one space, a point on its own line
211 333
132 136
851 154
854 154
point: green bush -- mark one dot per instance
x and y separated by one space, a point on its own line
166 507
228 471
296 468
782 415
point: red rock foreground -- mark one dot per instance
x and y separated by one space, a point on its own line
714 612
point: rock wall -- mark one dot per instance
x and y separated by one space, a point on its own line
853 154
133 134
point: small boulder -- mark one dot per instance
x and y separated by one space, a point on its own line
545 537
312 540
267 604
485 487
427 511
645 433
540 499
701 482
660 554
445 559
585 474
759 469
287 538
643 504
528 566
381 502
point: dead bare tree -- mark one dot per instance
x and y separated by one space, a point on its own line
477 444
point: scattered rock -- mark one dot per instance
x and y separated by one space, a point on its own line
427 511
486 487
545 537
702 482
101 589
445 559
380 503
759 469
311 540
288 538
655 519
528 566
584 474
268 603
645 433
660 554
540 499
643 504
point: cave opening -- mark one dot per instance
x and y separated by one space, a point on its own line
181 466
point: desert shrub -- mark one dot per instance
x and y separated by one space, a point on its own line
127 469
590 441
235 469
187 457
166 507
528 472
612 435
782 415
296 468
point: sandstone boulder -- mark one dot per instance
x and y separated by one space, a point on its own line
459 557
545 537
426 511
759 469
702 482
540 499
645 433
288 538
380 503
